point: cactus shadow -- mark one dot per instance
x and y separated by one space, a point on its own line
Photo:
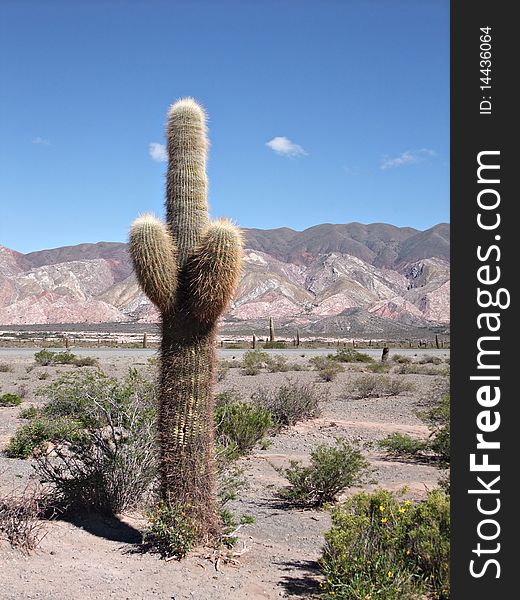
107 527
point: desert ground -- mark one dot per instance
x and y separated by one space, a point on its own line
276 556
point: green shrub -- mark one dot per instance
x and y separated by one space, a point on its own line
398 444
85 361
332 470
46 357
35 435
349 355
438 420
253 361
290 403
170 530
31 412
381 547
240 425
111 466
10 400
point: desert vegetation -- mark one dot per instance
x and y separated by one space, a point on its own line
89 435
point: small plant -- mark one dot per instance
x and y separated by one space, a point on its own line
240 425
10 400
46 357
350 355
366 386
330 371
22 390
398 444
332 470
275 345
401 359
438 419
415 369
373 386
5 367
253 361
222 370
170 530
290 403
277 364
382 547
31 412
429 358
229 396
20 519
378 367
44 375
247 520
85 361
34 436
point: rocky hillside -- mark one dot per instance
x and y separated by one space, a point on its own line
328 279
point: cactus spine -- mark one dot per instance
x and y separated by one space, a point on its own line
189 268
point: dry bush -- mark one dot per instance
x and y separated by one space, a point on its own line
20 519
376 386
290 403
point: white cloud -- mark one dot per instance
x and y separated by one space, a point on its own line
157 152
284 146
40 141
409 157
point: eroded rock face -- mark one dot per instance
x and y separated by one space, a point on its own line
316 278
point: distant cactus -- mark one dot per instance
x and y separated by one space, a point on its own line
297 338
253 343
145 340
189 268
271 329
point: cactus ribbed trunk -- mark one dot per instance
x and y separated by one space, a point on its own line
189 268
185 425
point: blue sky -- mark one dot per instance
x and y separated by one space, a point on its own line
319 112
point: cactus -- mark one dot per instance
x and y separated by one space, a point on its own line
271 329
297 338
145 340
253 343
189 268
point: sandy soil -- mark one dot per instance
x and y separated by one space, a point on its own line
100 558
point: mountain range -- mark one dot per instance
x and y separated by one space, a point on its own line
330 279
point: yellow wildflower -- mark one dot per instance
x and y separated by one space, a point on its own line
384 520
390 574
381 507
407 502
402 510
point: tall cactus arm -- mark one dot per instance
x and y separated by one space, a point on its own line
186 180
214 270
154 257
